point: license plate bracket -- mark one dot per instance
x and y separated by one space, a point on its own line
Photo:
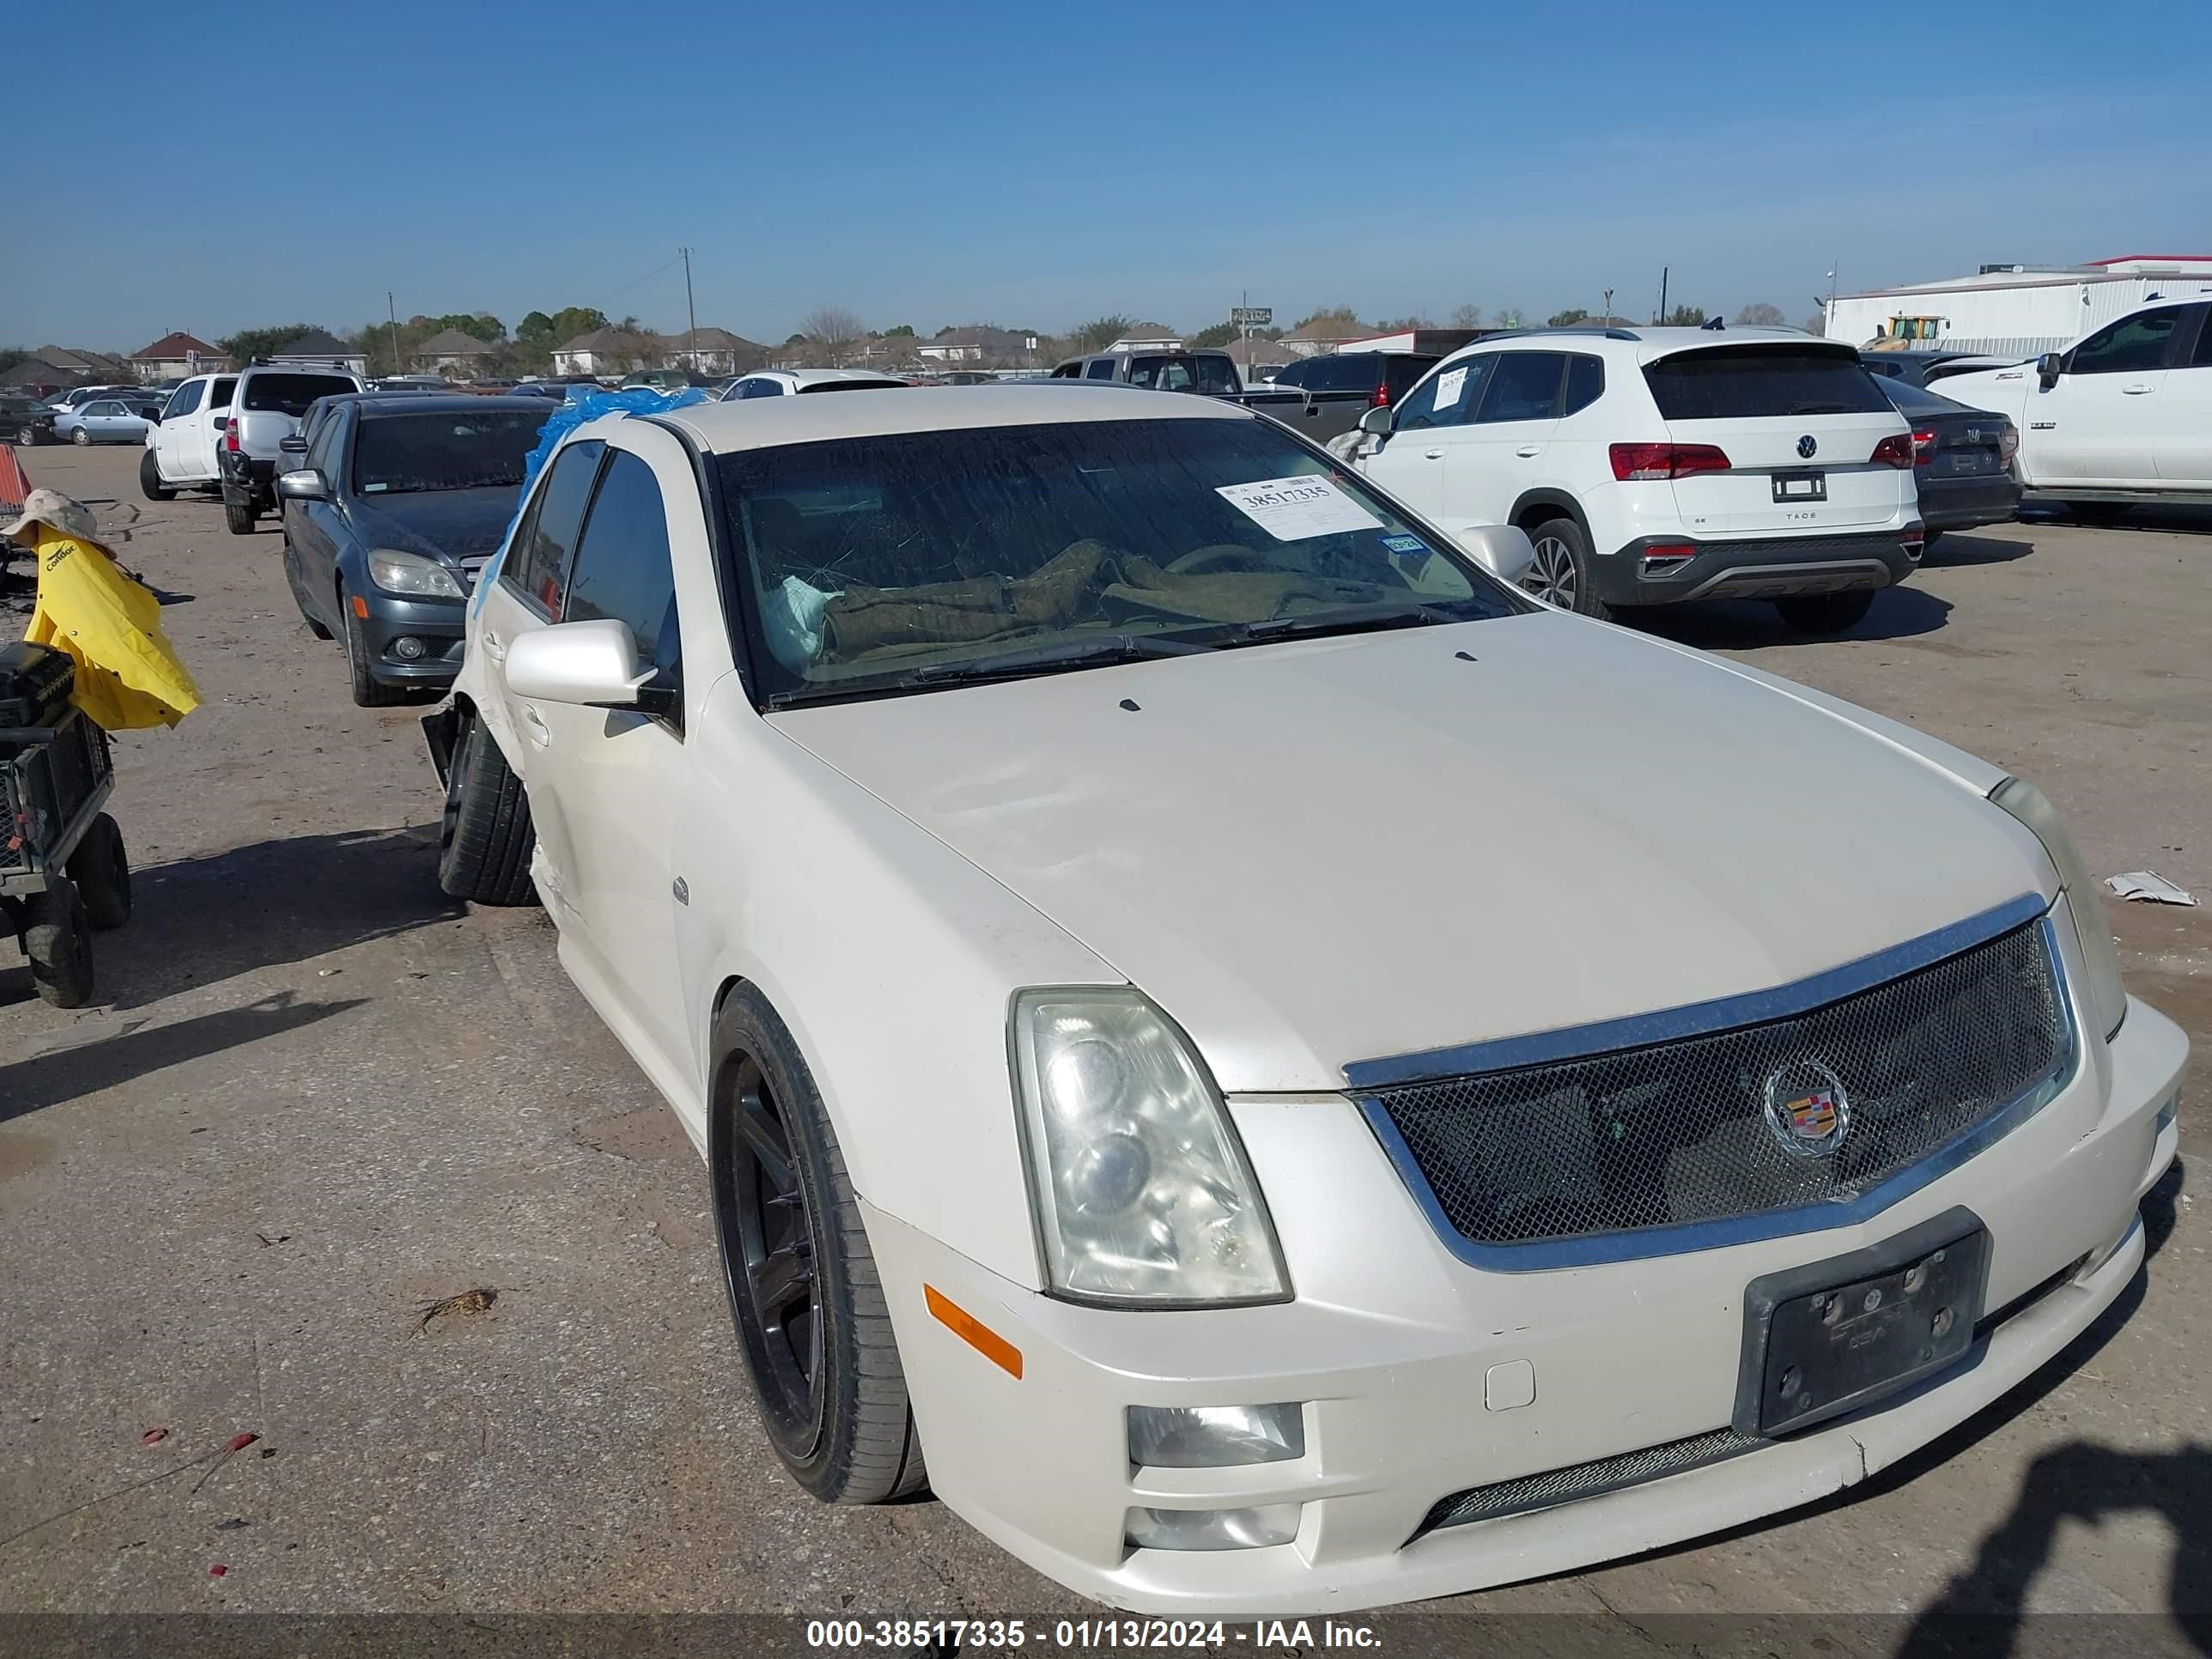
1800 486
1833 1336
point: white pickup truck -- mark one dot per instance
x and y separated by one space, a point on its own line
2121 418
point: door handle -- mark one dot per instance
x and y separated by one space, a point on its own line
1527 450
1432 454
534 723
2135 391
495 647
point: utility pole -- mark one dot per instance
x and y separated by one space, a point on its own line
1609 308
391 310
1661 316
690 316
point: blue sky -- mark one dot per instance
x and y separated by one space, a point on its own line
1039 164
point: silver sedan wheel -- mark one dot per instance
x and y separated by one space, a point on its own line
1552 577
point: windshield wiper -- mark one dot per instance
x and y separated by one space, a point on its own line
1096 652
1345 619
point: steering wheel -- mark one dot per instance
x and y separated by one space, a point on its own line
1225 555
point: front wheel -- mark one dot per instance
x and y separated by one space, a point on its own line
809 1305
1830 613
149 480
484 834
367 691
57 939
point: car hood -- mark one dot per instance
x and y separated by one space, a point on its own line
457 522
1317 853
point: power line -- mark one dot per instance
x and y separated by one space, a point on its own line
626 286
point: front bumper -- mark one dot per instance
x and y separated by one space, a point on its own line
437 625
1757 568
1413 1365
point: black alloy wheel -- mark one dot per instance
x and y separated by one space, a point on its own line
772 1280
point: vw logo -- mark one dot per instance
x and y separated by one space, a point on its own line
1807 1108
1806 446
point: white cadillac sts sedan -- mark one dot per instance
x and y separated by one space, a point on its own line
1295 1076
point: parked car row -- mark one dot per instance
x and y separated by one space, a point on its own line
915 785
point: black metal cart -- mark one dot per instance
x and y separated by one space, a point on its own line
63 870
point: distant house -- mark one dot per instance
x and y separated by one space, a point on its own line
452 352
709 351
609 351
1147 336
67 365
1324 334
1256 359
319 350
978 342
174 356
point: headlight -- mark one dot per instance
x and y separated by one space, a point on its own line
2108 997
1141 1191
411 573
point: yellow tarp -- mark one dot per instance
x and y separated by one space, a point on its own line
127 674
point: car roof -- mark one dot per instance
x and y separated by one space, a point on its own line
765 423
816 376
1645 345
437 403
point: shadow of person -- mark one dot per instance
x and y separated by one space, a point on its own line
1981 1610
46 1079
199 920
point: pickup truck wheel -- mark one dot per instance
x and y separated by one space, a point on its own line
1561 572
57 939
1828 613
238 516
484 834
149 480
809 1306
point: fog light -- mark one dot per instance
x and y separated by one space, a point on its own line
1216 1437
407 648
1213 1530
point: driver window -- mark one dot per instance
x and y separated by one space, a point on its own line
184 400
622 570
2129 346
1448 397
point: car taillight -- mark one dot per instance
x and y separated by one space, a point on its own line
1895 450
1382 396
1633 462
1924 448
230 434
2008 446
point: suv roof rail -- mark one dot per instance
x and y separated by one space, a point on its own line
1592 331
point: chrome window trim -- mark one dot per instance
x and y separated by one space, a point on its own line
1703 1018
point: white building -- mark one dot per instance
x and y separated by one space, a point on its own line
2016 310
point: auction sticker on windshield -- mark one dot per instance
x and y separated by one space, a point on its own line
1292 509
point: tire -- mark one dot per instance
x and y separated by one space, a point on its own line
28 437
1829 613
484 834
804 1294
82 439
149 480
366 692
102 873
57 939
1561 574
238 516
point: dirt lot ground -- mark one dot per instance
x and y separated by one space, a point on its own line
316 1097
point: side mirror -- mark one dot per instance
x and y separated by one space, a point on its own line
2048 368
295 445
1376 422
591 663
307 484
1501 550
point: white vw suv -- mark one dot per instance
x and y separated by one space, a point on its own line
1060 851
1654 465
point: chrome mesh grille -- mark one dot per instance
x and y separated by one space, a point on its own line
1541 1491
1679 1131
